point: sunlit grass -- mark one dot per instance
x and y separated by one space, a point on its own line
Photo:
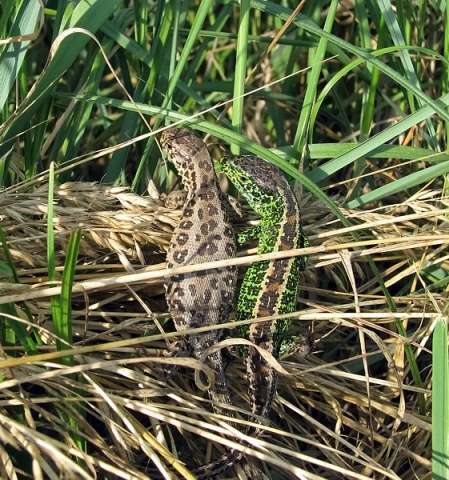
351 102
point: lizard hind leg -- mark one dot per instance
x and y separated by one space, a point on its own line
303 345
219 391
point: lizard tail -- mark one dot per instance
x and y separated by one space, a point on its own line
218 466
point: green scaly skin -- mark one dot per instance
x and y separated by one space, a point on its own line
269 287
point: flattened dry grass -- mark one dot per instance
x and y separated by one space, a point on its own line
349 410
347 100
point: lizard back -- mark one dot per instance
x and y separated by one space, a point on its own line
269 287
204 234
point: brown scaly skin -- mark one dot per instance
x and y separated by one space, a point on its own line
269 288
205 234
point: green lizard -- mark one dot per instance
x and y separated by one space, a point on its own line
269 287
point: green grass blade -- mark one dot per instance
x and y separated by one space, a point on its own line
62 307
313 78
440 401
181 63
9 328
51 262
417 178
64 328
409 69
13 330
12 56
303 22
62 304
241 61
371 144
89 15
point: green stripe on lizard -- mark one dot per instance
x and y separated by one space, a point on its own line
269 287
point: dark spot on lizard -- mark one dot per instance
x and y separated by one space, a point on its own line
186 224
207 249
212 210
229 249
178 291
180 255
209 227
187 212
182 239
207 296
229 233
207 196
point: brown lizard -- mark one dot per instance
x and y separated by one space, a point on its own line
204 234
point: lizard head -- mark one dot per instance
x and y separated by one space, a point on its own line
188 153
258 181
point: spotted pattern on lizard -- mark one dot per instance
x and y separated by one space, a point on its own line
204 234
269 288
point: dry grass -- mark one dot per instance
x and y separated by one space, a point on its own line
360 405
350 410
